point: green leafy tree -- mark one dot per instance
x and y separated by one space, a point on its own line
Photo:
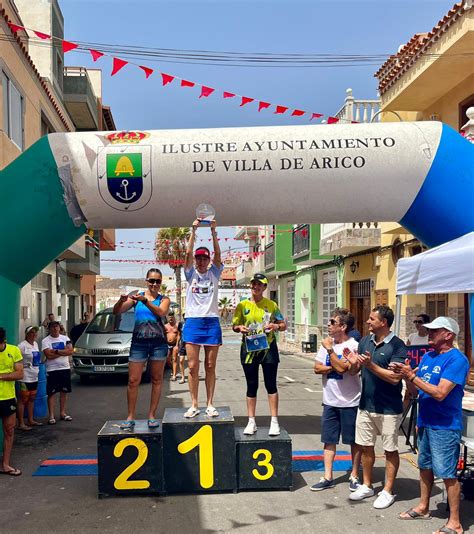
170 249
225 304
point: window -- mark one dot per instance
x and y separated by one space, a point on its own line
328 297
12 111
436 305
46 127
290 310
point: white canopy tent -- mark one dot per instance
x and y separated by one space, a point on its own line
448 268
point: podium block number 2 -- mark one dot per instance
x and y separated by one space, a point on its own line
202 439
264 463
122 482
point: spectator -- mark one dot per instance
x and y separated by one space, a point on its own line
181 349
11 369
341 396
420 337
78 329
354 333
172 338
380 407
29 385
57 348
440 378
50 318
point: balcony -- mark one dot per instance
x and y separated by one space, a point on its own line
343 239
246 232
76 251
90 264
244 272
301 241
270 256
358 110
80 99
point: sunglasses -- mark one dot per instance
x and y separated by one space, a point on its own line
418 322
154 280
333 322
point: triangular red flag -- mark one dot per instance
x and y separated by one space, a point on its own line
316 116
206 91
263 105
298 113
228 95
68 46
167 78
15 28
246 100
117 65
148 72
332 120
281 109
42 35
186 83
96 54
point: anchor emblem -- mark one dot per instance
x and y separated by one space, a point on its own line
126 198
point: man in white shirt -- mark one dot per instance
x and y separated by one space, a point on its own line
420 337
57 348
341 396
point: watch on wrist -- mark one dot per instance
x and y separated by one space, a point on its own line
330 351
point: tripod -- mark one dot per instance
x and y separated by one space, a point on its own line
411 412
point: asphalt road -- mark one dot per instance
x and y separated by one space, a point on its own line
70 504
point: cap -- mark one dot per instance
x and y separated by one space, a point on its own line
29 329
202 251
259 277
444 322
54 323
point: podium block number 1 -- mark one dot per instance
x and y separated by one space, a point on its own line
202 439
122 482
265 463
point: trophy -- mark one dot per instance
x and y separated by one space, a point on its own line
205 213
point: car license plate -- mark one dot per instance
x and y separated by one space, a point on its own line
104 368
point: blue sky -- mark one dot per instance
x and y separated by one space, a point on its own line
272 26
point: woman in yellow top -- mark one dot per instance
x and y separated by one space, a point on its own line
258 319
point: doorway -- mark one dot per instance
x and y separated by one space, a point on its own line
360 304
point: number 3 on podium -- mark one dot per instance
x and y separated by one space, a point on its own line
202 439
267 457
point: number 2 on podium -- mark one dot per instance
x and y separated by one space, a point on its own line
202 439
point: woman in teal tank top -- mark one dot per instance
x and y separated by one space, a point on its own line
148 343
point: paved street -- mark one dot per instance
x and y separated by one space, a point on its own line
59 504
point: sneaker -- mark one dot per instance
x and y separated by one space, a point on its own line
274 429
251 428
362 492
384 500
323 484
353 483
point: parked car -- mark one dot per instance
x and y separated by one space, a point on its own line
104 346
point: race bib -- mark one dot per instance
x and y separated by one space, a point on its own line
256 343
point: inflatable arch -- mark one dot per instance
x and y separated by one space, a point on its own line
418 173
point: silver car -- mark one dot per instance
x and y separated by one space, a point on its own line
104 346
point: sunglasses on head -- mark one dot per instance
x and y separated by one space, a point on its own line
154 280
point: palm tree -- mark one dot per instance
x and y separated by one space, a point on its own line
224 304
170 248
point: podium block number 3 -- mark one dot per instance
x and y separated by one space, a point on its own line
202 439
265 463
122 482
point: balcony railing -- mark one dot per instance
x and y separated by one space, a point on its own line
80 99
270 256
301 240
358 110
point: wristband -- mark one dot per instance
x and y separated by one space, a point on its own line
412 378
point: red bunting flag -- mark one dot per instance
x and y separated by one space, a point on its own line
41 35
186 83
68 46
206 91
263 105
118 64
332 120
15 28
167 78
246 100
298 113
95 54
281 109
316 116
148 72
228 95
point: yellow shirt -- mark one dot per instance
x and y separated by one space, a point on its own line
264 311
8 358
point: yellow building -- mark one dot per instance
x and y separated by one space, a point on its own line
431 77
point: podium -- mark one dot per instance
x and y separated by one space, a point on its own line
202 454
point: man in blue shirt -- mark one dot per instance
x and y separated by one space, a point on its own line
440 379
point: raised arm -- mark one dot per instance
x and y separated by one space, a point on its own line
217 249
188 260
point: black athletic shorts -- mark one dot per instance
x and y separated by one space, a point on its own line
7 407
58 381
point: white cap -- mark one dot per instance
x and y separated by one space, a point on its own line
443 322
